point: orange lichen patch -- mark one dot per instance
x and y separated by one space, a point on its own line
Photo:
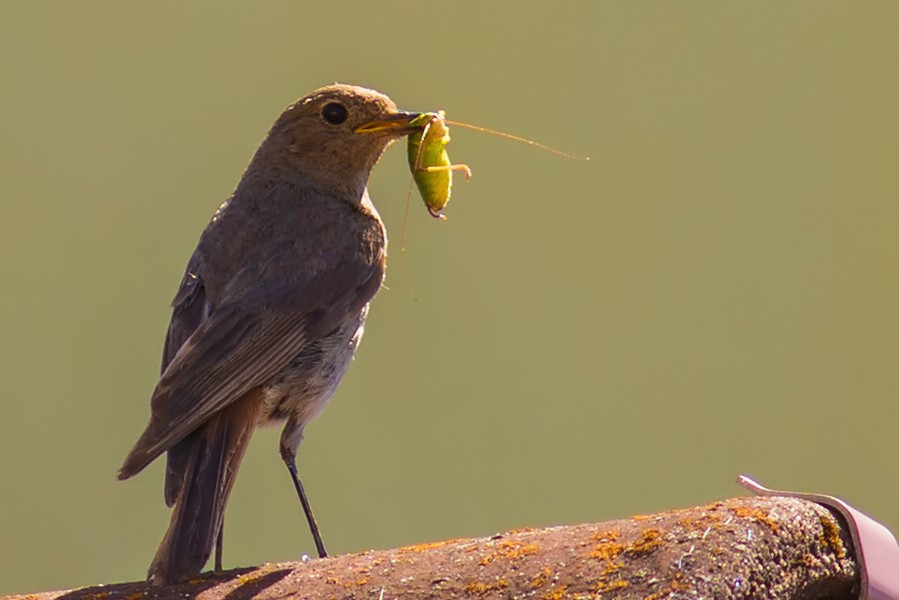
509 550
757 515
520 530
332 580
134 596
542 578
649 540
641 517
678 583
556 594
705 520
607 550
428 546
476 588
608 535
830 536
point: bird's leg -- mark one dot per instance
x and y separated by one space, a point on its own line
313 527
219 545
290 441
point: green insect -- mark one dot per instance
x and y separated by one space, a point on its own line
430 162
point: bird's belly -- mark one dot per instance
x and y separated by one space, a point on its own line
304 387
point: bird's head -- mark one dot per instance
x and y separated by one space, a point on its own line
335 135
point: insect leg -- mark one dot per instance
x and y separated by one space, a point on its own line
464 168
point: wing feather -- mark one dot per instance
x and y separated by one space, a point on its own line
242 346
205 376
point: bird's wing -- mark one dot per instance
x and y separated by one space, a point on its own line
244 345
189 310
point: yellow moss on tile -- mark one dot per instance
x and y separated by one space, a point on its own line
830 536
677 584
556 594
428 546
613 567
605 585
249 578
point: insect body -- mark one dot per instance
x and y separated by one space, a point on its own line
430 162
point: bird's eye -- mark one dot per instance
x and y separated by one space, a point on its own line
334 113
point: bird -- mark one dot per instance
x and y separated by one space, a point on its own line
269 312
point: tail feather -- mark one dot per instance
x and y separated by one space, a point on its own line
213 454
176 462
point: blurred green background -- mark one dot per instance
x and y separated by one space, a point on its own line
716 292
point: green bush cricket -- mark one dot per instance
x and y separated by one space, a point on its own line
429 161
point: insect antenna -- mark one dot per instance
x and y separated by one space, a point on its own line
517 139
403 261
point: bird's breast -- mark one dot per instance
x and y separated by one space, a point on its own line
305 385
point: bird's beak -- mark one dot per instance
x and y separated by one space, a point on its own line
399 123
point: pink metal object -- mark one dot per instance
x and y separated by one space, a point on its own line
878 552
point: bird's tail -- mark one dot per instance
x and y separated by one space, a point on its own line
217 448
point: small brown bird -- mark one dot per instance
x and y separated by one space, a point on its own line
269 312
